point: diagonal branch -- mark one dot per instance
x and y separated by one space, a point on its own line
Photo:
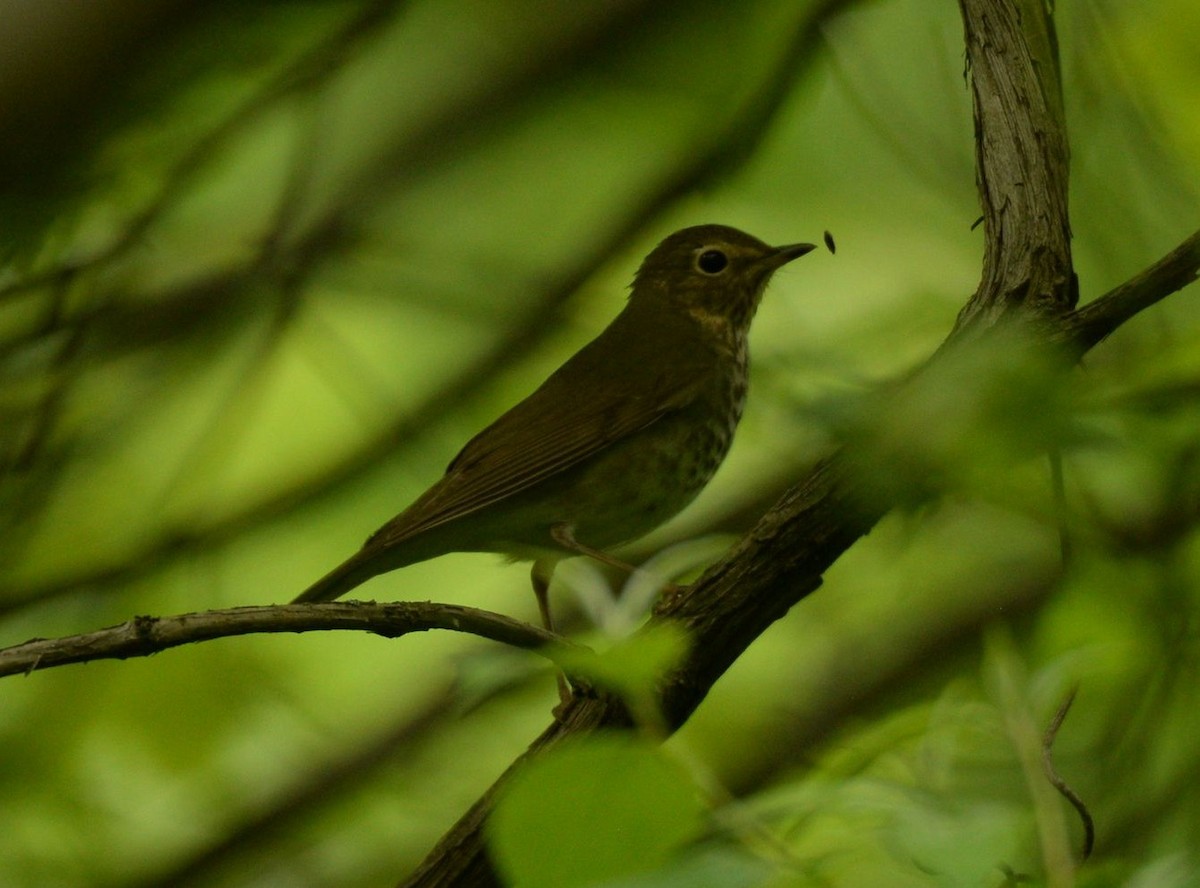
1096 320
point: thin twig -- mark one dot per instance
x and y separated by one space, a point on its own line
1100 317
143 636
1064 789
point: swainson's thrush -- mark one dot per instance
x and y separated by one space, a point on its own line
616 441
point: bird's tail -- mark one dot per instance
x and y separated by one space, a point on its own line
352 572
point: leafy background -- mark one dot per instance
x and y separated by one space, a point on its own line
266 266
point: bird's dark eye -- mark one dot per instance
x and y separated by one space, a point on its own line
712 262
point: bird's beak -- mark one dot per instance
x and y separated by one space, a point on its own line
783 255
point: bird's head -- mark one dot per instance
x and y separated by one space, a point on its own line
715 273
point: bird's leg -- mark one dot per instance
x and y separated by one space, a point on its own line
543 570
564 535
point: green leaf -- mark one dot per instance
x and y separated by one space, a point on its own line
607 807
633 666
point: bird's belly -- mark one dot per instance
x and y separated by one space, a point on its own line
626 489
620 494
645 483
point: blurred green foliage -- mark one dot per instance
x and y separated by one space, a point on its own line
268 265
596 809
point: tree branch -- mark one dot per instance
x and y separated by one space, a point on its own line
1021 163
143 636
1099 318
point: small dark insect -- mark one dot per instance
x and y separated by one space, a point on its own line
829 242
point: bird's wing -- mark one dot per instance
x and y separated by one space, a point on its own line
558 426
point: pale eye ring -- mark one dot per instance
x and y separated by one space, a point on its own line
712 261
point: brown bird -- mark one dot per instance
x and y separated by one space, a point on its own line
616 441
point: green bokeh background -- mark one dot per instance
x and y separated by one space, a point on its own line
267 266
